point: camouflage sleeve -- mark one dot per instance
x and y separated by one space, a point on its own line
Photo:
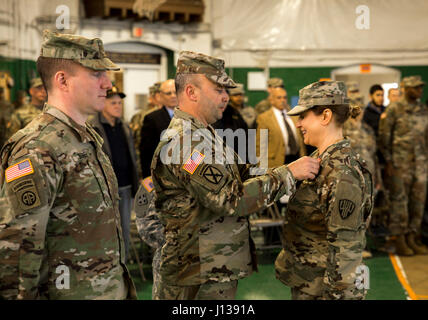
217 189
345 236
14 125
147 220
28 187
386 127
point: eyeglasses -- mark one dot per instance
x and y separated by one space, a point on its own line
168 93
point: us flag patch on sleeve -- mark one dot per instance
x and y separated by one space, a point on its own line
193 162
18 170
148 184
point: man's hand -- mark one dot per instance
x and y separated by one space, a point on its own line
304 168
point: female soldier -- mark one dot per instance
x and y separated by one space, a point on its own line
326 220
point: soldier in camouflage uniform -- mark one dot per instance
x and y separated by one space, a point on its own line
326 219
150 229
24 114
6 109
265 104
60 233
202 203
137 120
403 140
353 92
248 113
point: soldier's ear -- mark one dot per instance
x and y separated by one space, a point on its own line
326 117
60 80
191 92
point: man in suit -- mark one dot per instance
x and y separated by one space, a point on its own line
285 142
154 123
265 104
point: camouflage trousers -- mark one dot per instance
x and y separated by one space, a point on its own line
355 294
206 291
156 274
297 294
407 189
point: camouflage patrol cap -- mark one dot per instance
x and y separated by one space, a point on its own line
238 90
155 88
413 81
275 83
152 90
353 86
115 91
197 63
87 52
36 82
322 93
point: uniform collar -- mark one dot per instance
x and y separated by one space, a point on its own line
187 116
331 150
81 131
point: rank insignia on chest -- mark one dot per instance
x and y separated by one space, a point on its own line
19 170
193 162
346 208
148 184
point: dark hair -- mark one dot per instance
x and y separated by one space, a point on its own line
47 67
375 87
182 79
341 113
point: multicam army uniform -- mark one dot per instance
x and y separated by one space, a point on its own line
6 110
23 116
204 209
363 142
403 139
324 228
150 229
135 124
50 224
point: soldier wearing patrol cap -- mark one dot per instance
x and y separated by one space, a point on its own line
353 92
403 135
6 109
237 101
61 231
265 104
23 115
202 202
137 120
326 220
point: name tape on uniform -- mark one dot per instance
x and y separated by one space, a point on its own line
193 162
148 184
18 170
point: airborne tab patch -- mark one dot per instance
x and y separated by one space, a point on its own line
193 162
19 170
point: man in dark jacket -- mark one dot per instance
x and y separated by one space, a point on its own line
119 146
154 123
375 107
